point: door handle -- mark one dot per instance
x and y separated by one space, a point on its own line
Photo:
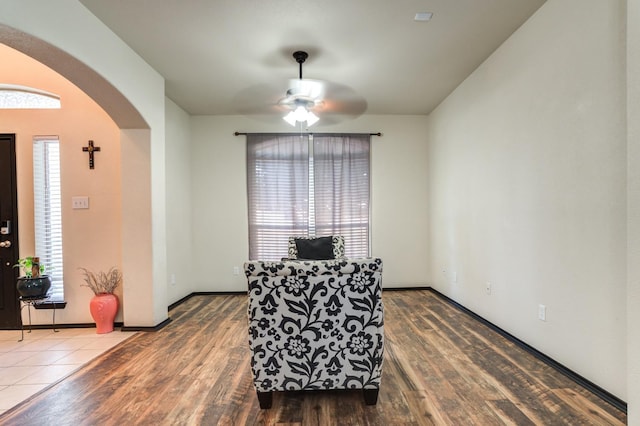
5 244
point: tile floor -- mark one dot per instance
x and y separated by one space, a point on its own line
45 357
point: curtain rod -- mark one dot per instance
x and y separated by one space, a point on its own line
305 133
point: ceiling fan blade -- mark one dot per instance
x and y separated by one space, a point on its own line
342 100
258 99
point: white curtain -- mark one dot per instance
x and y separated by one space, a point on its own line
299 185
341 189
278 192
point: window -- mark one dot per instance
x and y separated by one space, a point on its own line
307 185
48 210
22 97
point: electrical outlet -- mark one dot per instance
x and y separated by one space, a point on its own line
455 277
172 279
542 312
488 287
236 270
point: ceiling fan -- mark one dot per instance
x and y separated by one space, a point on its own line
305 100
302 96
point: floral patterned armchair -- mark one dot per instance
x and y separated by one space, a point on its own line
316 325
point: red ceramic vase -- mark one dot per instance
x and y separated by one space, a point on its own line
104 308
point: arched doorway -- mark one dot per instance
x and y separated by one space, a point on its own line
143 305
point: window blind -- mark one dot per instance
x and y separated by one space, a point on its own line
307 185
341 190
48 210
277 189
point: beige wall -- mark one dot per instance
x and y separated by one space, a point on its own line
91 238
633 209
399 198
528 188
178 165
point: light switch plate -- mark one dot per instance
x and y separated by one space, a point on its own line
80 202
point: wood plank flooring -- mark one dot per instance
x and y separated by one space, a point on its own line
441 367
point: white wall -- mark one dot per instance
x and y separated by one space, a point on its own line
528 175
219 197
633 210
178 168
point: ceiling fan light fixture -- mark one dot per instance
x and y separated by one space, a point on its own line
290 118
300 115
311 118
302 95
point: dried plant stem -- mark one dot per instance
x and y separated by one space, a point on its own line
102 282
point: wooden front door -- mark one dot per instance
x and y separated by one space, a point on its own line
9 305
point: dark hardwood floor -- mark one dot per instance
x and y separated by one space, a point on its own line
442 367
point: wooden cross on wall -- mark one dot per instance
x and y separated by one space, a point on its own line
91 149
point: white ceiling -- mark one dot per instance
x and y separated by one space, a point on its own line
234 56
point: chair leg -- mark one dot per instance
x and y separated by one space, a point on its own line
265 399
371 396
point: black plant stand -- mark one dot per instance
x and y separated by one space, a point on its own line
30 301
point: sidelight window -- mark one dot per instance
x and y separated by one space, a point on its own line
48 210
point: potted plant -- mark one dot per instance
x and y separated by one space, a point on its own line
104 304
33 285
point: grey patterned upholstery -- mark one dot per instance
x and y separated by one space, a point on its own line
316 325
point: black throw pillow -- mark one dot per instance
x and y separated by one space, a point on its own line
315 249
